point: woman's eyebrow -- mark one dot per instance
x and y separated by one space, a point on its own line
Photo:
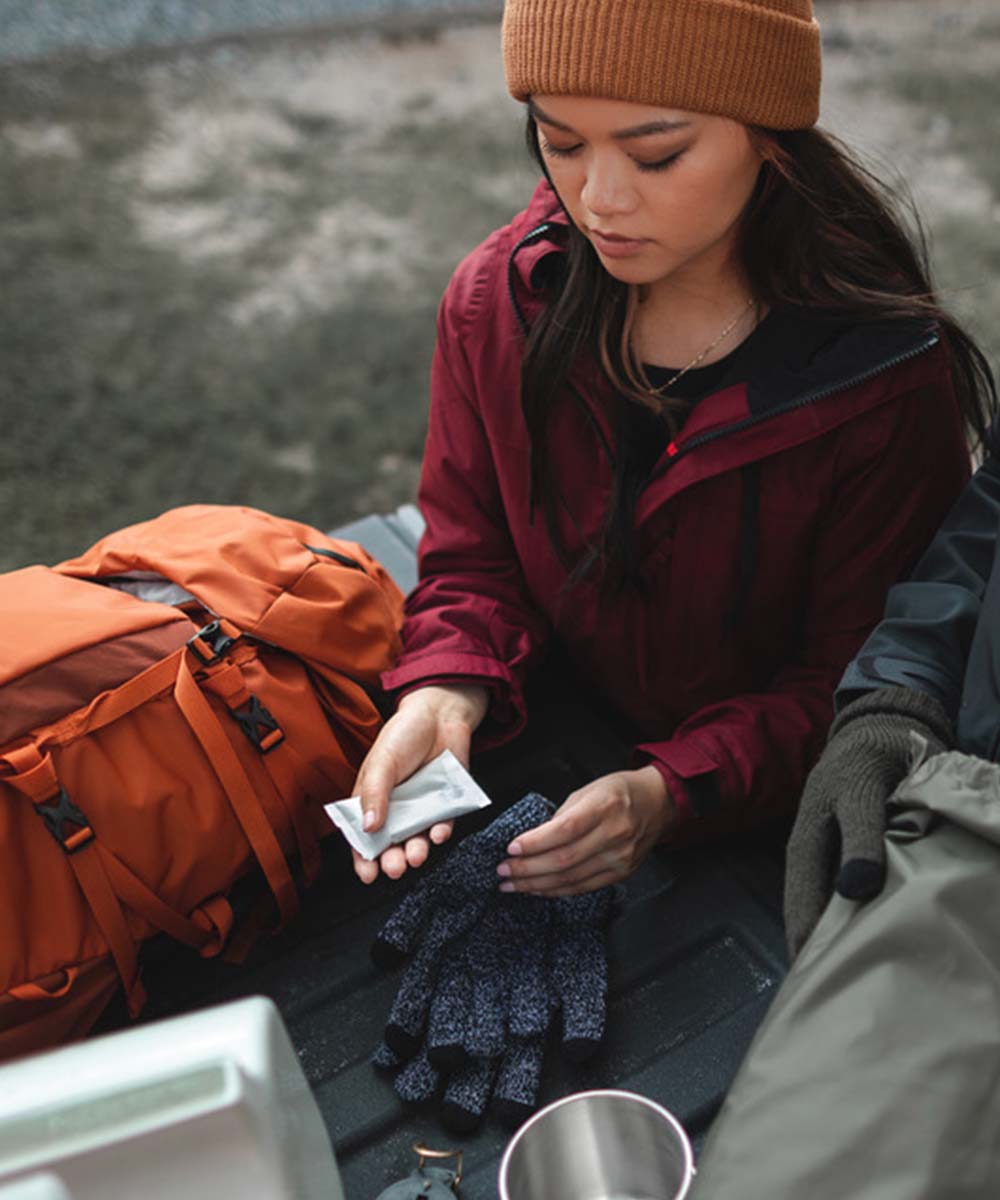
634 131
637 131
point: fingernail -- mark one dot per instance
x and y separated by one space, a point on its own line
369 820
506 887
514 848
504 870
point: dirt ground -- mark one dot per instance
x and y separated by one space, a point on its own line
221 267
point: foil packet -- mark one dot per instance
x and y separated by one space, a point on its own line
440 791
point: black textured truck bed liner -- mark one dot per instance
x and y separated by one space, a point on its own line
695 956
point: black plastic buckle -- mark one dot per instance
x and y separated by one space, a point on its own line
258 724
214 638
60 812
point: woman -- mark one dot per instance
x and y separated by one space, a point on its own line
692 413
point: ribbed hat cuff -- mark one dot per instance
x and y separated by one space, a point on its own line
724 57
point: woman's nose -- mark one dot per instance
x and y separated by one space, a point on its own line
607 189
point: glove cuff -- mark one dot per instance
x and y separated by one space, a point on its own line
912 705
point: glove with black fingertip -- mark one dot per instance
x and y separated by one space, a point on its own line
837 840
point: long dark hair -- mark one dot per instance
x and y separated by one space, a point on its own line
820 231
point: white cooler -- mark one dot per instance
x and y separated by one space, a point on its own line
200 1107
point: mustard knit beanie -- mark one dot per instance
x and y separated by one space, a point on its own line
757 61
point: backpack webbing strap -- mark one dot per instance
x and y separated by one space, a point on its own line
205 930
292 773
34 776
111 706
238 788
291 776
108 914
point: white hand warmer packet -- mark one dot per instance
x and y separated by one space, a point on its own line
439 791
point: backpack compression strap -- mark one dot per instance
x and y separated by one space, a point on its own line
32 773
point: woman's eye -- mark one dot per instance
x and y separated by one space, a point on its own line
661 164
559 151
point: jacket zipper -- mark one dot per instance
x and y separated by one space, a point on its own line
344 559
677 452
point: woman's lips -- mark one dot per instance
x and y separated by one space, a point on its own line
613 245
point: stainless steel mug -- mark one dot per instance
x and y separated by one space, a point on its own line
601 1145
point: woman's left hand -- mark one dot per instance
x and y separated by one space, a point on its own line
599 836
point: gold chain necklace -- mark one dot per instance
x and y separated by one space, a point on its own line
665 387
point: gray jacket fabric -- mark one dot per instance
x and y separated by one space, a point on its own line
941 629
876 1073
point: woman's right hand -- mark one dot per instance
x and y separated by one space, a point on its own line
427 722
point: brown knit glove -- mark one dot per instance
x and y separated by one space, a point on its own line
842 814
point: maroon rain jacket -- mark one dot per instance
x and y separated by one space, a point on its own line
794 499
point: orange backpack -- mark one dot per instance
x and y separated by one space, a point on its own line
176 705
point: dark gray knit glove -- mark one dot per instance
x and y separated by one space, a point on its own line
469 1022
445 904
530 961
498 991
837 841
489 1011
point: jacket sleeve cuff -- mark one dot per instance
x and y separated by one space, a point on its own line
690 775
506 715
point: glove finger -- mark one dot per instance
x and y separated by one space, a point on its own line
491 954
466 1095
397 937
450 1013
862 829
530 996
408 1016
580 978
579 973
515 1096
385 1058
810 865
418 1081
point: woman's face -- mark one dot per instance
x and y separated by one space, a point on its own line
658 192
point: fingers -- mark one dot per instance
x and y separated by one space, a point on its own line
558 885
393 862
441 832
366 871
811 859
413 853
397 752
571 869
577 818
597 837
